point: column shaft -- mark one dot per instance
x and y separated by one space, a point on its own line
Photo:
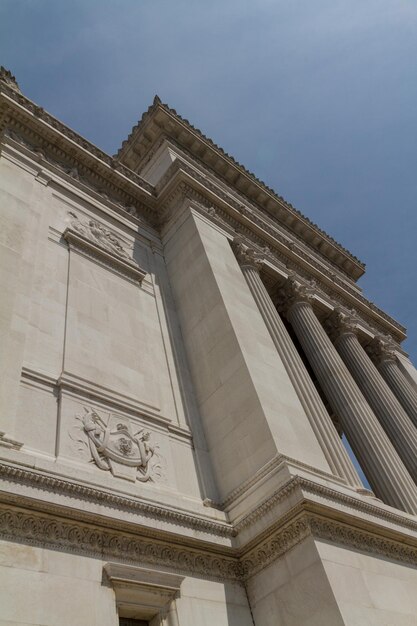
313 406
390 413
400 386
383 467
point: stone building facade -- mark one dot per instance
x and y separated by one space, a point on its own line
182 351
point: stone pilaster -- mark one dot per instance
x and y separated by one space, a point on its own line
313 406
384 358
382 465
388 410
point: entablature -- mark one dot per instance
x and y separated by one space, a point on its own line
161 121
180 184
54 143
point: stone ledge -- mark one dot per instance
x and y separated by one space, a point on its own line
65 534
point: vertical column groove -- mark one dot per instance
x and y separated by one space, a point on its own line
400 386
382 465
323 428
390 413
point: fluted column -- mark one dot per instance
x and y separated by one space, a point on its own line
390 413
384 358
382 465
322 425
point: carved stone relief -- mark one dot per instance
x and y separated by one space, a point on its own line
94 240
115 445
98 234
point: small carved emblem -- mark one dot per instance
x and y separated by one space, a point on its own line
115 446
98 234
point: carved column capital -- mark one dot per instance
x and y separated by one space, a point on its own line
380 350
291 293
339 323
245 255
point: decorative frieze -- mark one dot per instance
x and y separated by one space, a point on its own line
81 538
67 165
93 495
227 564
8 81
96 233
94 240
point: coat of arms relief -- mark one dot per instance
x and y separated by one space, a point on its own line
116 445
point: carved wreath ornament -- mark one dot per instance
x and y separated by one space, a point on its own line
117 447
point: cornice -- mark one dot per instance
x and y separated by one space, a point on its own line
54 143
356 504
276 463
34 528
161 118
234 197
88 539
52 484
182 181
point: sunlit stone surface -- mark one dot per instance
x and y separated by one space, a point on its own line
173 400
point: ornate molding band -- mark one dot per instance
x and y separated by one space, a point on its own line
97 496
64 487
315 489
88 539
76 537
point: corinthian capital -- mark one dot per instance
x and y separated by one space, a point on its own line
381 349
245 255
338 323
292 292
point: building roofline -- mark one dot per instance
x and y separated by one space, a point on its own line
204 149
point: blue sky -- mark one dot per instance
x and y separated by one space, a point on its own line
319 99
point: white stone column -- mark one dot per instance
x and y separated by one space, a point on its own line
322 425
384 358
382 465
390 413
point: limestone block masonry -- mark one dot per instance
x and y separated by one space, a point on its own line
182 353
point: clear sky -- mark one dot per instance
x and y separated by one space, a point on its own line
317 98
